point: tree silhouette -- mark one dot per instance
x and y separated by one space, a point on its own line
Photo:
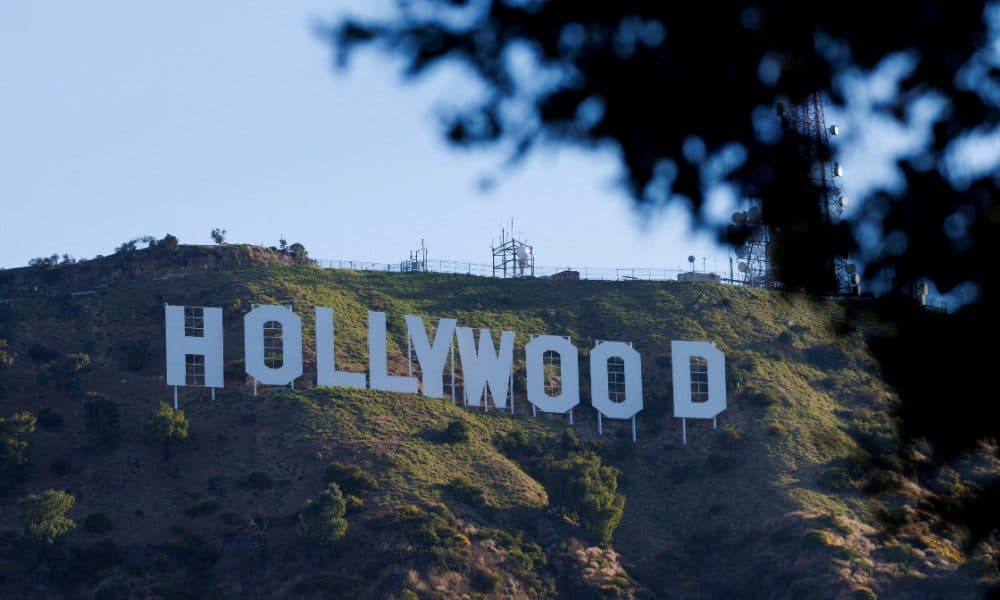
166 425
688 94
44 515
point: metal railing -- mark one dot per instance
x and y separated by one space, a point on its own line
485 270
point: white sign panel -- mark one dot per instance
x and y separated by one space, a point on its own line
431 358
378 363
569 373
326 360
291 344
600 397
485 366
684 404
194 358
208 345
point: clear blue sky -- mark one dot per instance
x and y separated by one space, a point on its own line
123 118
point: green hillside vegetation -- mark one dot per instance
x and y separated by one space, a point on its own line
801 491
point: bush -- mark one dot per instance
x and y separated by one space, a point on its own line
777 429
6 358
432 535
49 418
322 520
581 486
169 242
44 515
485 580
730 436
14 460
457 432
67 372
354 504
465 489
166 425
98 522
101 419
351 479
836 478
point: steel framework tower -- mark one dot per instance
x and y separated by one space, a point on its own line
808 121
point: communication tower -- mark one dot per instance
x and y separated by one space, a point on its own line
417 262
512 257
808 121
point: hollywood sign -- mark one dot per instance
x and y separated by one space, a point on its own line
272 337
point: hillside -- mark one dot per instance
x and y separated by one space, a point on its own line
799 493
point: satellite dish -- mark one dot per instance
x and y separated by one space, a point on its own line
523 252
834 130
691 259
741 267
850 268
756 234
754 213
742 251
739 217
843 201
837 169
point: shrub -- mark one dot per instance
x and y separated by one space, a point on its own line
351 479
14 460
485 580
465 489
457 432
6 358
354 504
730 436
581 486
67 371
836 478
777 429
169 242
44 515
101 419
49 418
322 520
166 425
98 522
432 535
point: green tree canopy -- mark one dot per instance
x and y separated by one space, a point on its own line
166 425
586 489
6 358
14 458
44 515
322 520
